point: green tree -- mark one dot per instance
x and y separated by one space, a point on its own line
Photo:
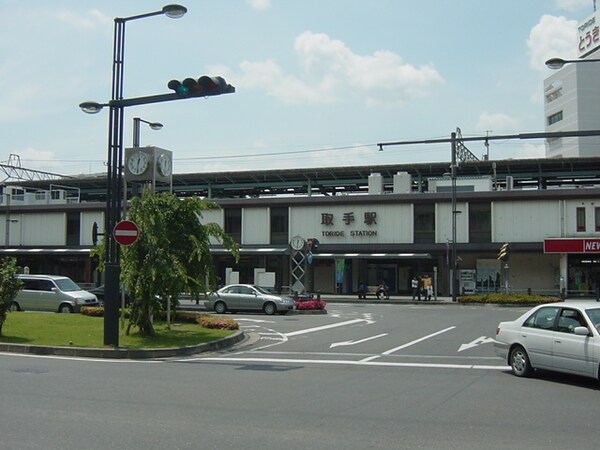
9 286
171 255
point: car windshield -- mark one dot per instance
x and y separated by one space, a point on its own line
67 285
594 315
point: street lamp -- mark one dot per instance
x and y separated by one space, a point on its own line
136 129
454 212
558 63
114 166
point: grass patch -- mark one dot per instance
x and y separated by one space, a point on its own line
77 330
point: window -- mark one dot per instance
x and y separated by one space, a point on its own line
580 217
233 223
554 118
554 91
569 319
73 228
279 225
543 318
597 217
480 222
424 224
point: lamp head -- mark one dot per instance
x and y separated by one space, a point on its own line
555 63
174 11
91 107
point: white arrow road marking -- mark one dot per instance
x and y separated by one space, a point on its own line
476 342
326 327
360 341
408 344
255 320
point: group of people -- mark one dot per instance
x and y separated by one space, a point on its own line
422 287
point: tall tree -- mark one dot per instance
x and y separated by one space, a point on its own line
9 286
171 255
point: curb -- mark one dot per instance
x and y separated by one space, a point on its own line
123 353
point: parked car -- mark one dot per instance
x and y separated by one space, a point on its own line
247 297
98 291
51 293
562 337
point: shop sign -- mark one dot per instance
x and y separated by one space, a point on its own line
571 245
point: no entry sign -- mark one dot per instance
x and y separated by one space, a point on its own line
126 232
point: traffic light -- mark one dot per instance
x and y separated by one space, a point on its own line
202 87
503 253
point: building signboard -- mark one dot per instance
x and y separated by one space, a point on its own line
572 245
588 34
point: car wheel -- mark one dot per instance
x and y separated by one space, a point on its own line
220 308
269 309
65 308
519 362
14 306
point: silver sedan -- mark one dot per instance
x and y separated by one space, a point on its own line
560 336
247 297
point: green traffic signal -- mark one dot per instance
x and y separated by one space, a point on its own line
204 86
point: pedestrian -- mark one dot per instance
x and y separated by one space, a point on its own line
425 284
414 284
429 291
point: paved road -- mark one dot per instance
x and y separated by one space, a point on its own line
362 376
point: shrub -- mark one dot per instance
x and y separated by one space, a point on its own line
216 322
507 299
310 304
92 311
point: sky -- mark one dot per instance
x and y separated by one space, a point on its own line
318 82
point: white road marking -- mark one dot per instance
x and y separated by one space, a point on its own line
327 327
416 341
360 341
476 342
354 363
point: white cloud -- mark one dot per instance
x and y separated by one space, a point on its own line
91 20
572 5
497 122
552 37
259 4
331 72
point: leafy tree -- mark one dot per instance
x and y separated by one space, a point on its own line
9 286
171 255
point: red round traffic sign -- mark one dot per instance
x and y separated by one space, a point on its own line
126 232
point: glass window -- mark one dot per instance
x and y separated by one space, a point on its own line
554 118
73 228
543 318
594 315
279 225
569 319
480 222
597 218
580 217
424 224
233 223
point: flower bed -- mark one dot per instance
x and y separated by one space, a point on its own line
304 305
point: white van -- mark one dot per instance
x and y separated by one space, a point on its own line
51 293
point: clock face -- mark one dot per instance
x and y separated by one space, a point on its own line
138 163
165 166
297 243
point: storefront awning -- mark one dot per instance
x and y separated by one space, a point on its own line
372 255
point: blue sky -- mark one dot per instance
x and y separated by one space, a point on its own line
319 82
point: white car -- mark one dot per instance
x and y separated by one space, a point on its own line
563 337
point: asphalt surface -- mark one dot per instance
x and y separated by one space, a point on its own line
189 305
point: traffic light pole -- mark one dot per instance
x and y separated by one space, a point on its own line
114 192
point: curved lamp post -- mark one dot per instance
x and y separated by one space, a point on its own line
114 173
136 129
558 63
